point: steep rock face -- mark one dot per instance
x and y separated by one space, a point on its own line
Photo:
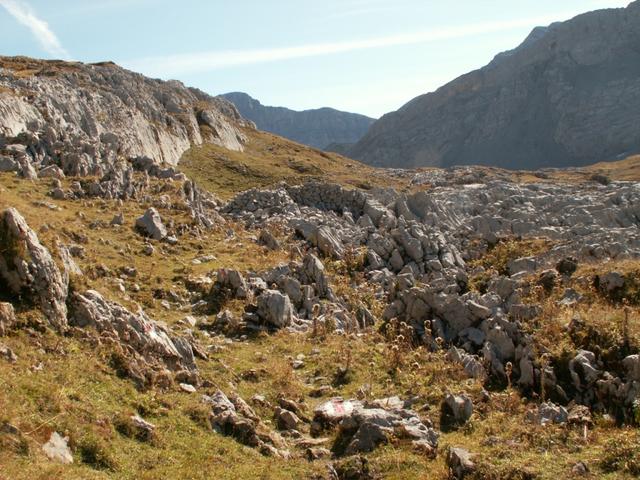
317 128
569 95
73 110
27 268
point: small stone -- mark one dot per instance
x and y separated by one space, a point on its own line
171 240
144 429
580 469
9 429
188 388
456 410
285 419
57 449
460 463
567 266
316 453
7 354
118 219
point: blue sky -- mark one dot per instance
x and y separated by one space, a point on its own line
366 56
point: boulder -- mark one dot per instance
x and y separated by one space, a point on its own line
27 268
472 365
314 273
334 410
286 419
267 239
233 281
275 309
52 171
522 312
632 367
460 463
329 243
8 165
233 417
7 317
548 413
26 170
584 370
478 311
522 265
455 410
151 224
137 331
364 429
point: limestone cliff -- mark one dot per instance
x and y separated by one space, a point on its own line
84 116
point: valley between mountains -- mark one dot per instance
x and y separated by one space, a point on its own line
185 296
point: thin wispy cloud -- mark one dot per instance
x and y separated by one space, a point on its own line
189 63
40 29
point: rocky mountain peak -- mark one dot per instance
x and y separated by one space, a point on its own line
568 95
318 128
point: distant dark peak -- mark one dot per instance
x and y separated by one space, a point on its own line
318 128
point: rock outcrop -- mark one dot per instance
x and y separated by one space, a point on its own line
83 117
569 95
233 417
137 331
27 268
362 428
318 128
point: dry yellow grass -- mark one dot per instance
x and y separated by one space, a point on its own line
269 159
65 384
627 169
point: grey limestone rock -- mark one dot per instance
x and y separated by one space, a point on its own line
26 266
151 224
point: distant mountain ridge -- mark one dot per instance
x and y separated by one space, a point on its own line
317 128
569 95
